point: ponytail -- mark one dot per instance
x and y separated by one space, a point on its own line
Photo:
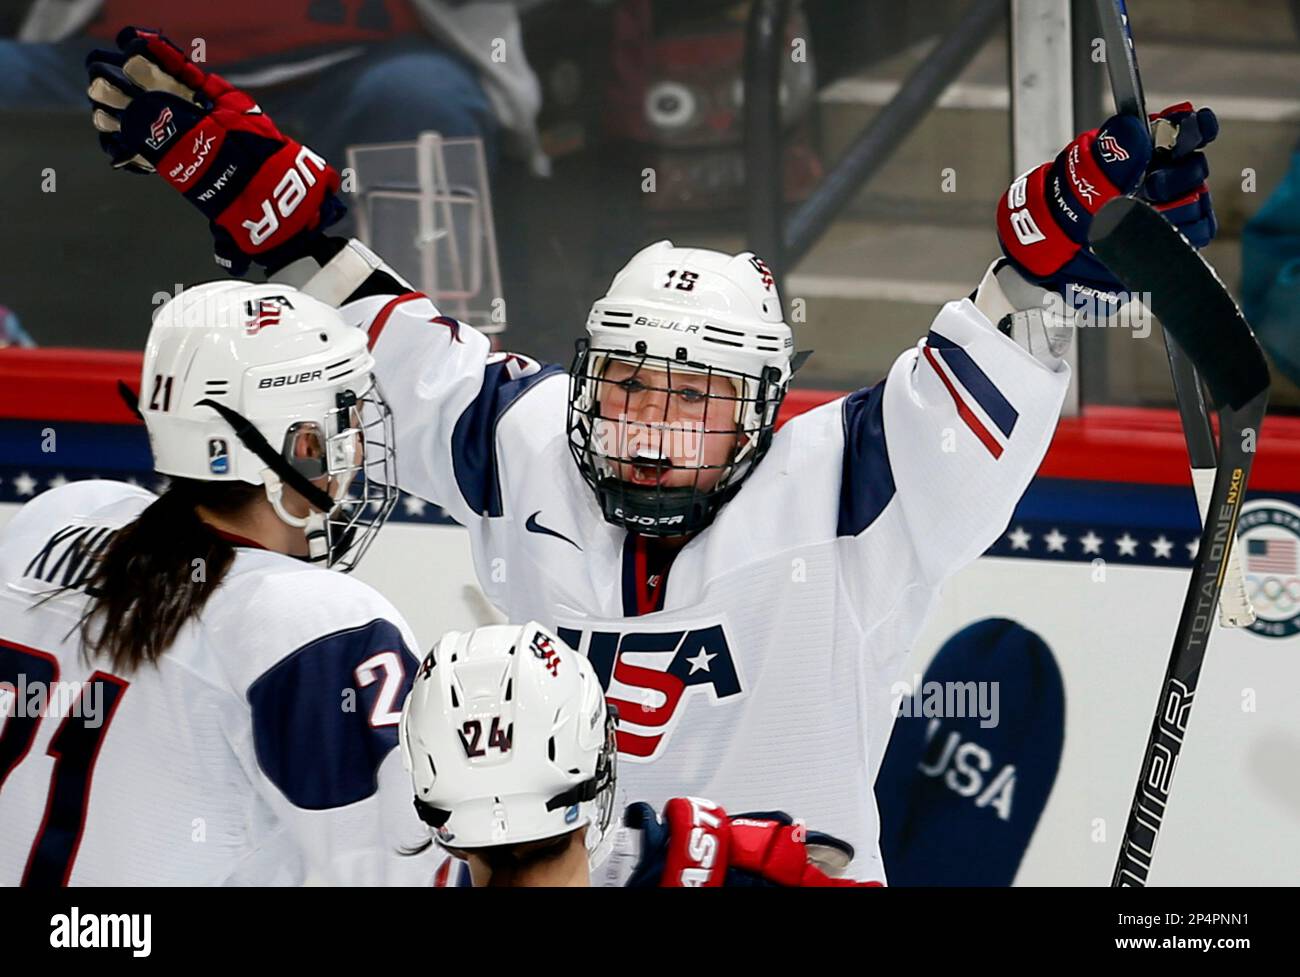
158 573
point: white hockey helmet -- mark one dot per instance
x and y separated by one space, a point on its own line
508 739
267 385
683 310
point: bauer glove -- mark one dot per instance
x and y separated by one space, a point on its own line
1043 219
263 193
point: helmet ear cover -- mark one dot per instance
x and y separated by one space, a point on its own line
337 456
318 453
274 460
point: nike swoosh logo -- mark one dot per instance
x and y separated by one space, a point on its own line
533 526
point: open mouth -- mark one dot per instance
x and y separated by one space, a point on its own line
646 475
646 470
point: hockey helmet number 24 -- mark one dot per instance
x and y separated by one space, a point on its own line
508 739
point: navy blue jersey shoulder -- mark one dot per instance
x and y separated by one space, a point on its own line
866 479
473 440
325 717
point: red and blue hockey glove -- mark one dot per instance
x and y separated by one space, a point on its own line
698 844
262 192
1043 218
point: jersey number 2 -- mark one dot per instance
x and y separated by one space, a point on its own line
74 747
387 711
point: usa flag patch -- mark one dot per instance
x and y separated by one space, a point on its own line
262 313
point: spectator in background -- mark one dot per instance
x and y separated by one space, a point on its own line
378 70
11 330
1270 272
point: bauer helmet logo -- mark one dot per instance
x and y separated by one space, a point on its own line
288 380
675 325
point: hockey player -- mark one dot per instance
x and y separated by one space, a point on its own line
745 597
188 694
512 755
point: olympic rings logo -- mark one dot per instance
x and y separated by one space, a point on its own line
1275 594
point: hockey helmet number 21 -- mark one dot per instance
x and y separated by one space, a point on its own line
264 384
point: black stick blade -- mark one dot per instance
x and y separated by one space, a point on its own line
1152 259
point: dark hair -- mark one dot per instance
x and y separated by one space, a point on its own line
144 588
507 862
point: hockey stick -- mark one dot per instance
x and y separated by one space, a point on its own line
1235 609
1151 258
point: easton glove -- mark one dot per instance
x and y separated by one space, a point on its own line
698 844
1043 218
156 111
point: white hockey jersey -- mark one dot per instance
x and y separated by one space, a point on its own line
259 750
764 680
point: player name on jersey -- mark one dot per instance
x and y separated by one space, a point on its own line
68 556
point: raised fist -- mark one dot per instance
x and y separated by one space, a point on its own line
698 844
1043 218
262 192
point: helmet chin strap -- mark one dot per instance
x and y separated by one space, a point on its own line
279 473
313 523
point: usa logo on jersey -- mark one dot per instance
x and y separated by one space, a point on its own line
653 677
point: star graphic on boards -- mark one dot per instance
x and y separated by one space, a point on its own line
701 661
1128 546
1055 541
24 484
1091 543
1164 547
1019 538
413 506
1193 548
58 481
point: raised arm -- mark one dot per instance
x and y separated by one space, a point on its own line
961 423
447 388
268 200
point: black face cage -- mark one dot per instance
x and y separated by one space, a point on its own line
371 495
596 403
